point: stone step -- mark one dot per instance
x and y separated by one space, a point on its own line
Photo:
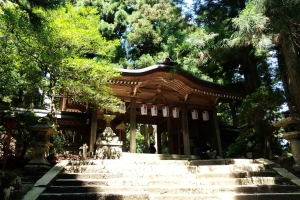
263 174
149 161
110 168
143 162
230 168
222 174
147 156
228 196
95 196
165 175
183 179
237 174
222 161
175 162
143 168
170 182
187 190
146 196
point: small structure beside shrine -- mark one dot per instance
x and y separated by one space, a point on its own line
291 126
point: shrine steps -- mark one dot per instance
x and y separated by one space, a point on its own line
153 179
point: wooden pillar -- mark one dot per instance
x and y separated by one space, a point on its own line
155 137
217 131
123 136
146 138
170 135
185 130
93 132
158 138
133 125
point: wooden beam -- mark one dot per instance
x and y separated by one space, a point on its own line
162 120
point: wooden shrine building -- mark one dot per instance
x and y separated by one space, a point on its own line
180 105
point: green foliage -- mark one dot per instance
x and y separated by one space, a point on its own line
249 141
145 28
155 27
82 78
165 148
61 140
23 133
86 81
242 145
250 25
19 80
283 16
194 53
224 115
259 110
264 102
45 60
144 61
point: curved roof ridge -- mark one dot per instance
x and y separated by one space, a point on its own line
146 69
186 74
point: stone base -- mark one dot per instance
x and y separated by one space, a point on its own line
296 167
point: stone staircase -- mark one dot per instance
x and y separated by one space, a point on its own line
136 177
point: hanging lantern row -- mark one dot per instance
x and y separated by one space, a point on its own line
165 111
175 112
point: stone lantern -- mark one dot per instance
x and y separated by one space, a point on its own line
291 126
108 145
41 143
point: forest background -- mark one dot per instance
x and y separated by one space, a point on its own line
51 47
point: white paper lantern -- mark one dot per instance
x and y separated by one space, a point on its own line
154 110
143 109
205 115
194 114
176 112
122 106
165 111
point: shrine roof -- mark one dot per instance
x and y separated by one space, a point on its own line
164 83
170 69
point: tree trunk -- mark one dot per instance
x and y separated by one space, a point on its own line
252 82
292 62
248 64
285 80
52 95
